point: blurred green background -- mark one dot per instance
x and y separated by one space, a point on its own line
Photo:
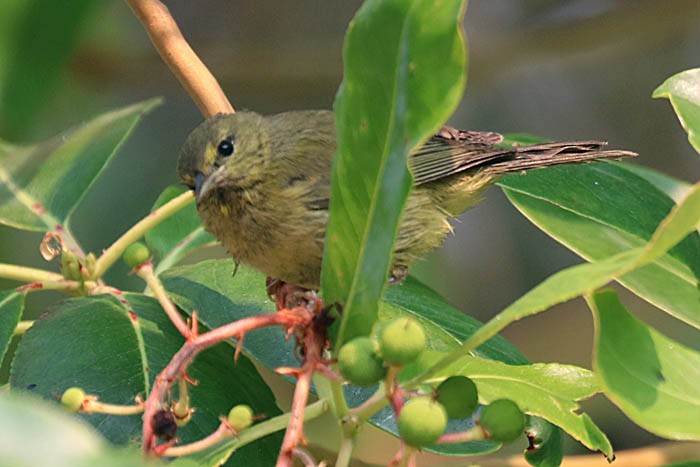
561 69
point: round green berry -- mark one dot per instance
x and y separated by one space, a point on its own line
503 420
421 421
240 417
401 341
458 395
136 254
72 399
359 363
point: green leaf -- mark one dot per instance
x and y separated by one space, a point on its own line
11 307
113 347
41 185
601 210
40 40
178 235
683 90
583 278
549 391
219 299
404 73
35 432
676 189
652 378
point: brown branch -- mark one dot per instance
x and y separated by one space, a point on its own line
194 76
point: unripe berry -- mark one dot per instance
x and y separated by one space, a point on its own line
458 395
136 254
359 363
240 417
401 341
72 399
503 420
422 421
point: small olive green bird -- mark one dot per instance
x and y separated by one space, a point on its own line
263 184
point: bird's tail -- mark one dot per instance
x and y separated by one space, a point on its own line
547 154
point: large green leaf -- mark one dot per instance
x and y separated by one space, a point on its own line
219 299
40 185
404 73
600 210
683 90
39 41
177 235
652 378
35 432
11 307
130 340
683 220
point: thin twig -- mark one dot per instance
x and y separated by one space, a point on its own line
138 230
25 274
194 76
145 272
313 344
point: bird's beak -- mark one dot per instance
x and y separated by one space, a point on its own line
199 179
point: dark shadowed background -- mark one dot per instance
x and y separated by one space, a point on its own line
554 68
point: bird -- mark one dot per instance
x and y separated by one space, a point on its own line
262 186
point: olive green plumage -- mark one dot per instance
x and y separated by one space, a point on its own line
263 184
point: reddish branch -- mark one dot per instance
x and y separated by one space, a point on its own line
194 76
298 318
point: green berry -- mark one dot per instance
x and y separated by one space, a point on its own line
503 420
359 363
401 341
458 395
72 399
136 254
422 421
240 417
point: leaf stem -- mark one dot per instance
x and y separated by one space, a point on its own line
25 274
138 230
168 40
145 272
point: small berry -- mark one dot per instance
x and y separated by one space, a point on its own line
72 399
503 420
240 417
458 395
401 341
359 363
422 421
136 254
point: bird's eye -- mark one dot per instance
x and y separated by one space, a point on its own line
225 147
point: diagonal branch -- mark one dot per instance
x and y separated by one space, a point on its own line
194 76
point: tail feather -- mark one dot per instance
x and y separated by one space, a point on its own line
454 151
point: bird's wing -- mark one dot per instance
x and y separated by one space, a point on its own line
454 151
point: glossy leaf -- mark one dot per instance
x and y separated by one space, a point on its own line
11 307
600 210
404 73
683 90
584 278
676 189
130 340
546 443
652 378
41 184
35 432
179 234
